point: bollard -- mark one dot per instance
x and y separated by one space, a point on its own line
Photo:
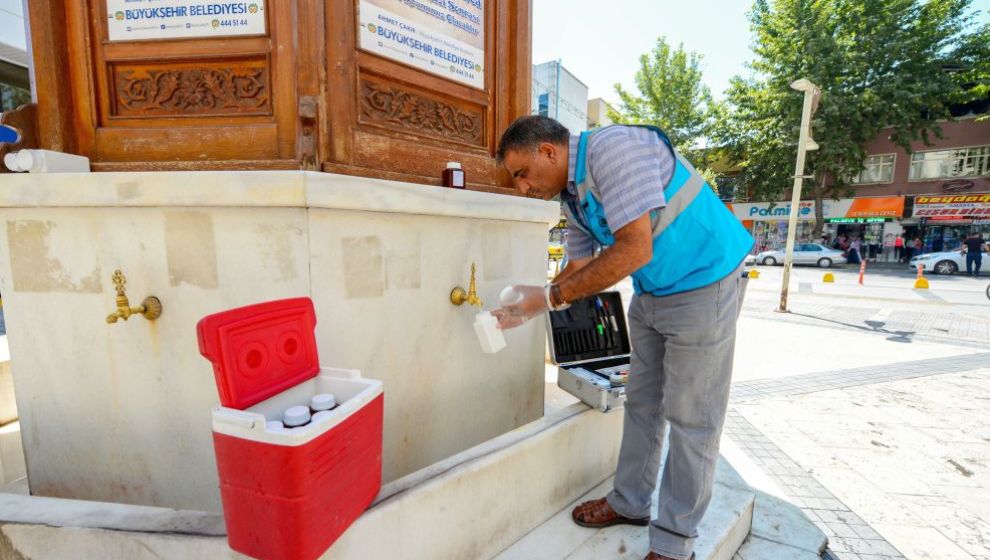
829 278
862 271
754 274
921 283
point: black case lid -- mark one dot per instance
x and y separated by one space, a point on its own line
574 334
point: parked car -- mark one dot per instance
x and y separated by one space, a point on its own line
945 262
804 253
750 260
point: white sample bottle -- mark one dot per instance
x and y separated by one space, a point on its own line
489 335
321 402
296 416
46 161
319 416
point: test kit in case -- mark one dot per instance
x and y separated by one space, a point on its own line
589 342
288 493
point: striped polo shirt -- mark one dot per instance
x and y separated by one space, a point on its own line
631 166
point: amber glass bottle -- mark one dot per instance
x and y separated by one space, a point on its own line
453 176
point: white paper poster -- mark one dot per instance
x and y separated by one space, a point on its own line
443 37
135 20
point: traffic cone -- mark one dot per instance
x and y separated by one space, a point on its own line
754 274
921 283
829 278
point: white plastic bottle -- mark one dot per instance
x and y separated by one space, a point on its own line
296 416
46 161
321 402
489 335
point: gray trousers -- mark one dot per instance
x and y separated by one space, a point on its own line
680 372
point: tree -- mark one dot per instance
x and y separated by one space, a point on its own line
672 96
879 64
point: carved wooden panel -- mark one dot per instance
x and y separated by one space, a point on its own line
419 113
191 89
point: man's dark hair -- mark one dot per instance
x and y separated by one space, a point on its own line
527 133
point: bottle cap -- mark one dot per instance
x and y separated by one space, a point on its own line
453 165
296 416
319 416
25 160
10 160
322 401
274 426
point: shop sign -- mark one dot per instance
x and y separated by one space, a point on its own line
957 185
133 20
952 206
858 220
442 37
882 207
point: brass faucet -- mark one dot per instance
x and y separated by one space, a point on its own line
458 296
151 307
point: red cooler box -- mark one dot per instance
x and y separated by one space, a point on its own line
288 493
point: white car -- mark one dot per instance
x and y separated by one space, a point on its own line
945 262
804 253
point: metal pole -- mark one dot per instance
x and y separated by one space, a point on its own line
809 93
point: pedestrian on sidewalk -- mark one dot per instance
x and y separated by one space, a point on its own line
899 248
625 187
853 255
973 247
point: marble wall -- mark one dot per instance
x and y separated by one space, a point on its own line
122 412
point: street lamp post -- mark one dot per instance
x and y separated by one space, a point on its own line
805 143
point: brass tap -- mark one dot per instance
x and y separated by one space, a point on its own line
151 307
458 296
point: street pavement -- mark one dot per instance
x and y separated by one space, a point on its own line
868 406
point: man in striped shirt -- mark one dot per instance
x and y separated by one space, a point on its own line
682 319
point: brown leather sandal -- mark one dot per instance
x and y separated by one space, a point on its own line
597 514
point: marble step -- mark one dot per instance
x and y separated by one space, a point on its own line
724 528
470 506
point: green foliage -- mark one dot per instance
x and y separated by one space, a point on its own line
672 96
879 64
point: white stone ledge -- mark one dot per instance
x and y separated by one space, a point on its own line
292 189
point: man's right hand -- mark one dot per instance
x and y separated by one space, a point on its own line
507 320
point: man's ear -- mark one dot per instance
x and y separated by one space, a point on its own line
550 151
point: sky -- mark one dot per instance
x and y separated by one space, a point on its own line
600 42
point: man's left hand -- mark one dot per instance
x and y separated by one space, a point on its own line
533 303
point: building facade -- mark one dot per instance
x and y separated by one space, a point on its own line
558 94
598 113
15 86
937 193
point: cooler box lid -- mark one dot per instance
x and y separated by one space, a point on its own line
575 335
260 350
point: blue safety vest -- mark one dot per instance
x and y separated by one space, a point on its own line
696 239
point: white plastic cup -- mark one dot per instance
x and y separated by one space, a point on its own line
322 401
296 416
489 335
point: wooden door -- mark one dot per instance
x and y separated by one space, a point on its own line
300 94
